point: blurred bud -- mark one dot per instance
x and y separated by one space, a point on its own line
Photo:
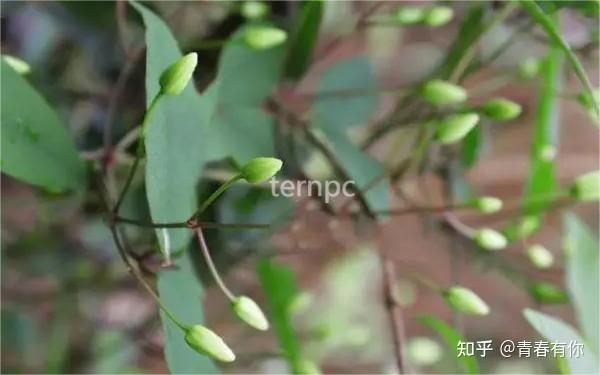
438 16
174 79
586 187
490 239
264 37
423 351
529 68
523 228
440 92
501 109
544 292
487 205
253 10
17 64
248 311
308 367
455 127
206 342
540 257
547 152
259 170
466 301
590 101
409 15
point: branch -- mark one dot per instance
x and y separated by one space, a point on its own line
390 295
190 224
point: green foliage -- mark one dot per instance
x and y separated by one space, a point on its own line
304 38
452 337
280 287
36 146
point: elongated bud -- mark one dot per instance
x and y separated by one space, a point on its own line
438 16
174 79
455 127
544 292
586 187
206 342
490 239
466 301
264 37
254 10
258 170
247 310
440 92
540 257
501 109
409 15
487 205
529 68
17 64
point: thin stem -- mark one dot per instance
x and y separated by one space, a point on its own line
214 196
139 153
203 224
458 225
211 265
390 295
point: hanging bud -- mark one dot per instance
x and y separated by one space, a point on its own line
466 301
206 342
438 16
529 68
264 37
501 109
409 15
253 10
544 292
259 170
455 127
487 205
586 187
490 239
17 64
174 79
247 310
540 257
440 92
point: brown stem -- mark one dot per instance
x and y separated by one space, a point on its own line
390 295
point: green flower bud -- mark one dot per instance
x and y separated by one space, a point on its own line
308 367
490 239
254 10
547 152
487 205
409 15
264 37
247 310
501 109
466 301
540 257
174 79
423 351
440 92
586 187
258 170
589 101
525 227
529 68
17 64
455 127
438 16
206 342
544 292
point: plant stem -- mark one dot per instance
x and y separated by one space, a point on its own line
211 265
139 153
458 225
203 224
215 195
390 293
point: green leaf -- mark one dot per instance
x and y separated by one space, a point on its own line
181 292
175 159
304 38
337 115
280 287
551 28
555 330
583 277
542 175
452 337
36 146
471 147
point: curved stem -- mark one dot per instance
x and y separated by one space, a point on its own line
215 195
211 265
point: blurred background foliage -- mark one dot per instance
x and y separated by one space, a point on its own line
346 72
